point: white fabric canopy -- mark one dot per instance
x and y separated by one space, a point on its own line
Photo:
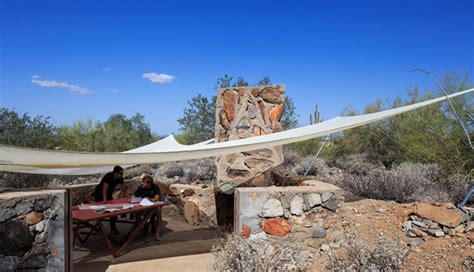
17 159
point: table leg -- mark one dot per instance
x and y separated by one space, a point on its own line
134 233
107 239
158 222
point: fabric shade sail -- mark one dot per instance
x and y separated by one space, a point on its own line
16 159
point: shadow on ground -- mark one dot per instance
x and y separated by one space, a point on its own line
178 239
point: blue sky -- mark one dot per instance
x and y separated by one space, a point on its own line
74 60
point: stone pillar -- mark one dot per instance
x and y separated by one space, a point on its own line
243 112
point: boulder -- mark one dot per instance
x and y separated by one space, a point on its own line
276 226
312 200
40 205
15 238
271 208
191 212
441 215
296 205
275 113
271 94
229 104
331 204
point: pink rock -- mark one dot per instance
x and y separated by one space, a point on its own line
245 231
276 226
271 95
229 104
440 215
275 113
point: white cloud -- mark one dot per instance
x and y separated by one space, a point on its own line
74 89
158 78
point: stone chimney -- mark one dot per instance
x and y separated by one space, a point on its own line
243 112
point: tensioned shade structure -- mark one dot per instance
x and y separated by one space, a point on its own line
16 159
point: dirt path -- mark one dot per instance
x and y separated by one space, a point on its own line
191 263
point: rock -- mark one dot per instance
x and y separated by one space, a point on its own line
324 247
40 205
414 242
419 232
261 180
325 196
6 214
243 126
275 113
223 120
441 215
258 236
173 192
307 223
469 226
331 204
245 231
271 94
334 236
229 104
261 164
320 233
459 229
252 111
40 226
314 243
419 224
271 208
41 238
286 214
170 210
436 232
311 200
255 91
191 213
296 205
188 192
267 153
34 262
276 226
33 218
450 232
15 238
261 107
22 207
7 264
276 127
238 173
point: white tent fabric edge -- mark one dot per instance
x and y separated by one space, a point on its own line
14 158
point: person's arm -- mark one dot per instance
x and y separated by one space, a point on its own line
156 192
105 188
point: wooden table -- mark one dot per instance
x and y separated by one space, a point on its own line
142 214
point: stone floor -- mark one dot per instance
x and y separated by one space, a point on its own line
180 243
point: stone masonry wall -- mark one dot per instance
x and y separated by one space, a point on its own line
278 211
34 231
243 112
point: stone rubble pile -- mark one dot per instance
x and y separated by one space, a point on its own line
436 221
296 216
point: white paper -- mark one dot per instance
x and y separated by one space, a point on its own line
112 209
136 199
145 202
97 207
127 206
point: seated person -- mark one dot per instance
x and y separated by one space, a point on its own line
105 189
149 190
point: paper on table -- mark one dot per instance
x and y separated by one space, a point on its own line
136 199
145 202
97 207
127 206
112 209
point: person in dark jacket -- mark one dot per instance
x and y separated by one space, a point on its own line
149 190
105 189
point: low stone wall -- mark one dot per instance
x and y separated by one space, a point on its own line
279 210
35 231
